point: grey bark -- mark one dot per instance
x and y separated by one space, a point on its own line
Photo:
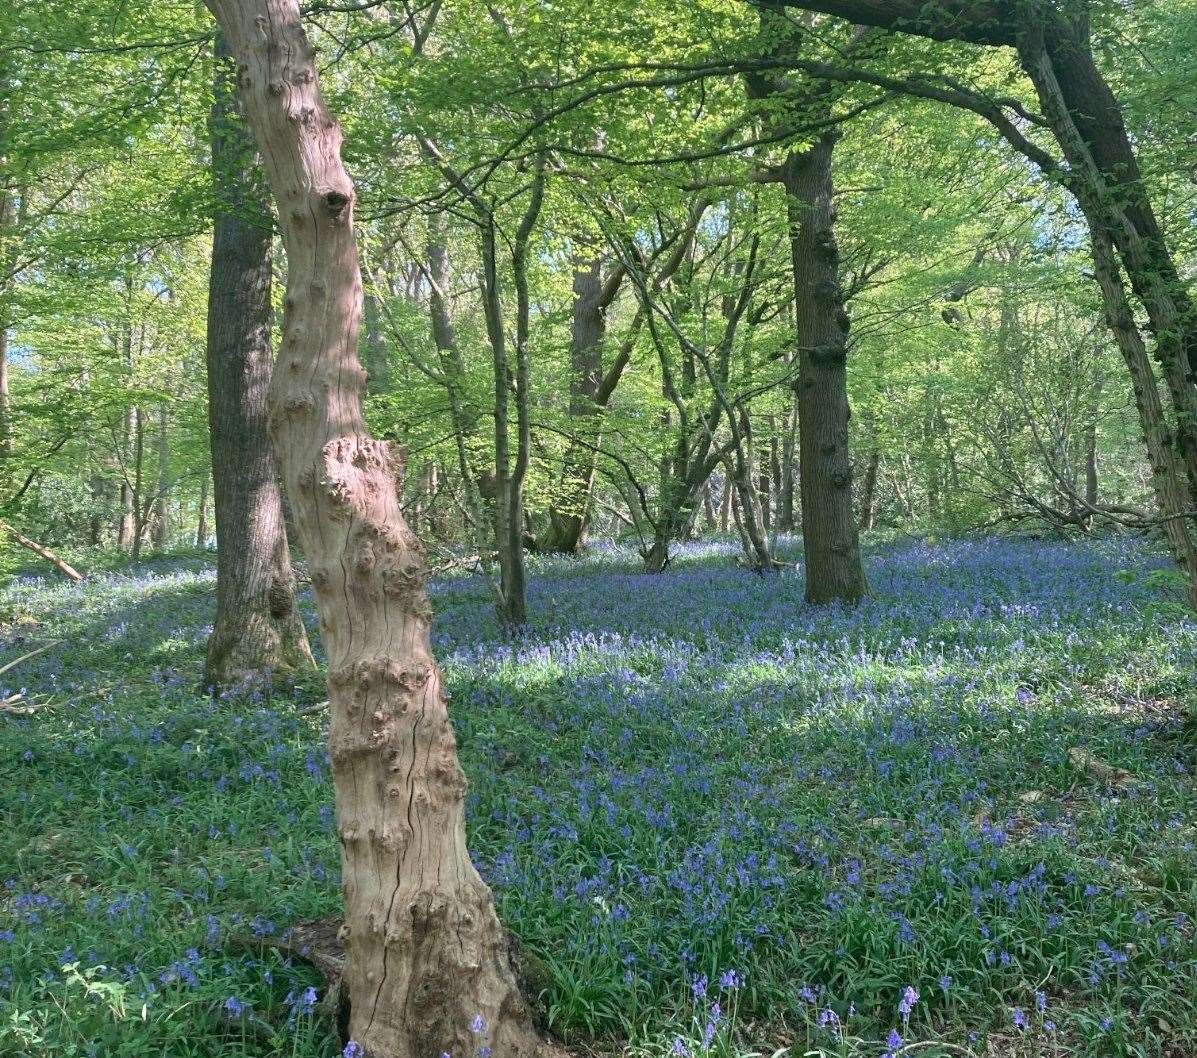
258 633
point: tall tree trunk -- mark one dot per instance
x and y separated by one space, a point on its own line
258 634
786 520
427 962
1169 473
868 491
374 350
127 523
201 524
1058 57
829 533
708 508
162 495
764 487
1104 177
8 225
138 491
508 506
774 474
1055 49
591 298
98 490
752 523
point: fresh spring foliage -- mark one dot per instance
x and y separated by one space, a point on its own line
719 822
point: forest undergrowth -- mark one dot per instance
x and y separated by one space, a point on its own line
957 818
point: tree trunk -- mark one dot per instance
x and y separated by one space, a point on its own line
868 491
258 634
127 523
8 222
1091 482
374 350
752 524
708 508
567 516
201 524
135 500
1058 57
657 556
508 507
764 488
829 533
427 962
775 475
786 520
1169 476
161 528
98 491
1105 179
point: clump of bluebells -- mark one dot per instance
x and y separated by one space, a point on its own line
713 816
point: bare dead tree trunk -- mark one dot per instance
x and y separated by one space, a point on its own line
427 962
258 634
829 533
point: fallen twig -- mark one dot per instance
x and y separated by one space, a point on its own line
12 706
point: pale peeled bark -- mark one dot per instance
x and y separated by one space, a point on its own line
426 955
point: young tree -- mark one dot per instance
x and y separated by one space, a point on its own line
258 633
427 962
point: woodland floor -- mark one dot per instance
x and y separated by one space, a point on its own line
718 820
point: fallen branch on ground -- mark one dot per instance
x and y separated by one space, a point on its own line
25 657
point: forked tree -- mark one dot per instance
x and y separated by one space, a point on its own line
428 969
